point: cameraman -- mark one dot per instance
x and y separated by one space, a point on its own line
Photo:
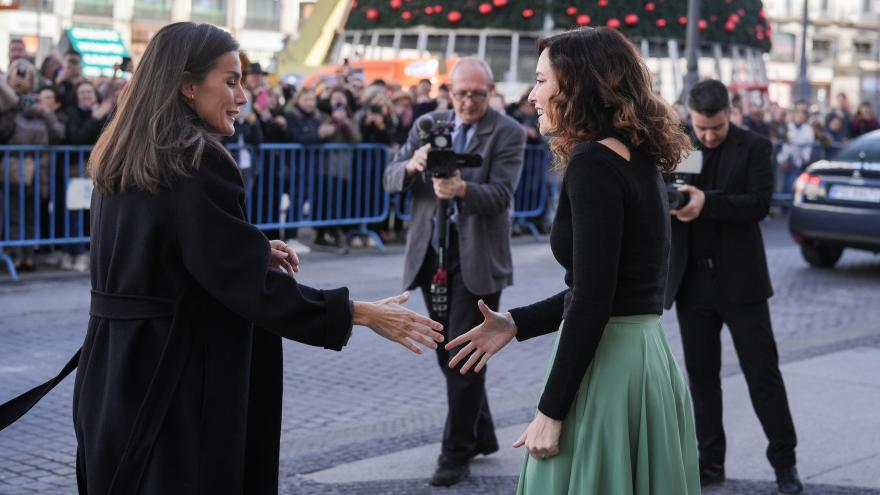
718 275
478 257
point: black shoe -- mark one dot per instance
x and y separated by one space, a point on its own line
485 450
711 474
787 481
449 473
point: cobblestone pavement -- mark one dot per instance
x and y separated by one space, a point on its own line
374 398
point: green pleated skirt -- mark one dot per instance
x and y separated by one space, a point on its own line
630 430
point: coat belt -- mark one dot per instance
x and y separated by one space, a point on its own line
130 307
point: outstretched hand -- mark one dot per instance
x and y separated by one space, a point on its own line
389 319
484 340
283 257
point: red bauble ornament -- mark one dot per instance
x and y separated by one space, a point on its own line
733 18
761 14
741 12
406 15
372 14
583 20
396 4
528 13
703 25
429 10
354 4
650 6
631 19
613 23
760 36
499 3
485 9
602 3
438 9
454 17
682 20
729 26
661 23
571 10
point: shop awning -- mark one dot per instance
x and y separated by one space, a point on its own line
101 49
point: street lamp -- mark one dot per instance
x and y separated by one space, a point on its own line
802 85
692 48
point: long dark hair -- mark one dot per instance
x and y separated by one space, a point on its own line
154 136
605 91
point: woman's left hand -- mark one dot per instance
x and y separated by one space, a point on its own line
541 438
283 258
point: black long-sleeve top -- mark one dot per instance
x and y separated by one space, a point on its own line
611 234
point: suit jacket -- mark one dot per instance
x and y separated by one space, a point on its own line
741 200
484 212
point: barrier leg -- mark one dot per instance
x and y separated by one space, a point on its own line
9 265
363 230
531 226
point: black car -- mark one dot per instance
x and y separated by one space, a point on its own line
836 203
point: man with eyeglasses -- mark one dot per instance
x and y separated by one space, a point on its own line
478 259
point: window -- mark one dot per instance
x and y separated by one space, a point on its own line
863 50
152 9
498 56
466 45
783 47
93 7
37 5
263 14
305 10
822 50
213 11
528 60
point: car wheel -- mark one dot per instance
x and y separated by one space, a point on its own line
821 256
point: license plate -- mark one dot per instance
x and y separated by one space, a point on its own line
854 193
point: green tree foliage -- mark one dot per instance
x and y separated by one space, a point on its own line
724 21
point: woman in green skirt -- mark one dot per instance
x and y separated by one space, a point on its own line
615 416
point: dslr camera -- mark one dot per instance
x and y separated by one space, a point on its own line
442 161
683 174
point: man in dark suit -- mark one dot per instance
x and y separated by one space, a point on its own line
478 255
718 275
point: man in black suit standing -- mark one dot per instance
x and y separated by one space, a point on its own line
718 275
478 257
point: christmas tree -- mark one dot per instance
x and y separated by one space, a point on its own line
739 22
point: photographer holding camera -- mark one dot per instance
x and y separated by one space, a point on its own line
478 259
718 275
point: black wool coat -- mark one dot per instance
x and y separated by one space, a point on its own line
178 388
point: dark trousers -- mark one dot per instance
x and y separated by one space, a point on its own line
469 429
702 309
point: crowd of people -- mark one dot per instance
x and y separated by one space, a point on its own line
54 104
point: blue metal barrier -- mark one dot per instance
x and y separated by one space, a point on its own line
292 186
287 186
33 188
530 197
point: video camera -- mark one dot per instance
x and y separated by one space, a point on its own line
683 174
442 161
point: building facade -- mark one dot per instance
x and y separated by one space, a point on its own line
843 49
260 26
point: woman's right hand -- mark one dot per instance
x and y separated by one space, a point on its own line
484 340
389 319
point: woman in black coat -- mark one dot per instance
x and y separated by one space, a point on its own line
179 382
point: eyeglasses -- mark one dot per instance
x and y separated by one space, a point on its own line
476 96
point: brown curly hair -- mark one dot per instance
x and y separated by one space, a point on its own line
605 90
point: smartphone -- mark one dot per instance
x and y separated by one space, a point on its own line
376 108
27 101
